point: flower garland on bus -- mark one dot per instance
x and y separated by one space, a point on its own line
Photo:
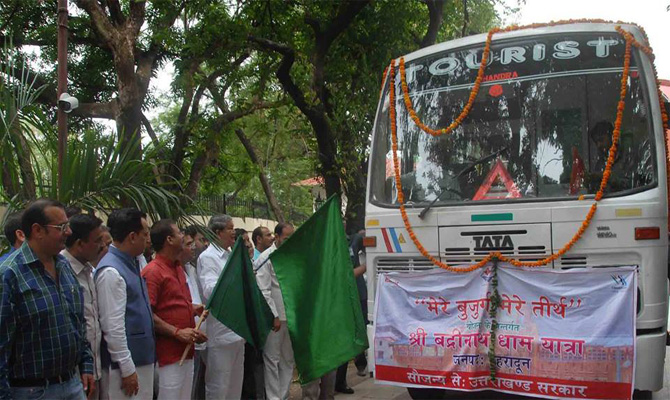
606 174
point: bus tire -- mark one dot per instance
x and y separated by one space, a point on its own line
426 393
642 394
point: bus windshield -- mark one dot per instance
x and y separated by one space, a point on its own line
539 128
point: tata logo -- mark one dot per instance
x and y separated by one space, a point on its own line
619 281
493 242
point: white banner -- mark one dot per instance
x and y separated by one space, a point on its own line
560 334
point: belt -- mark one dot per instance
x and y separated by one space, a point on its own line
30 382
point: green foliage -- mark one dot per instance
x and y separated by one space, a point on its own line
208 37
98 174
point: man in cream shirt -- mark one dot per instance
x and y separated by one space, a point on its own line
82 248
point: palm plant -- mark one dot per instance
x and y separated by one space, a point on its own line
18 116
97 174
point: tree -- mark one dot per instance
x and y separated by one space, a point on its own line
274 90
119 32
332 55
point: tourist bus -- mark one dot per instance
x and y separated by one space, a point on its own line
520 172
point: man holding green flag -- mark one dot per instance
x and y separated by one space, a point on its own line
323 312
238 306
237 302
278 353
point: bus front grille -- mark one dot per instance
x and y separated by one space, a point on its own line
460 256
403 264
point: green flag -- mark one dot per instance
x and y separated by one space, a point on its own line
323 310
237 302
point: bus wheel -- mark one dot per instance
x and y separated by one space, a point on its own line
426 394
642 394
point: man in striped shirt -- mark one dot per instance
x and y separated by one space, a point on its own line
43 346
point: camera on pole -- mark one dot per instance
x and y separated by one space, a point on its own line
67 103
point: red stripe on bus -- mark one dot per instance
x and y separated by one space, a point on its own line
386 240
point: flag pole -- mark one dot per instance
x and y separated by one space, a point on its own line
203 317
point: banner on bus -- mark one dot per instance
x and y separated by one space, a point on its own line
560 334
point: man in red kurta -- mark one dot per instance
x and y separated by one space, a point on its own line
173 312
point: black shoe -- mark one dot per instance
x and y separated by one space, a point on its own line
345 390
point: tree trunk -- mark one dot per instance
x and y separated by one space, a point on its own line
267 189
129 118
436 16
8 184
317 114
181 133
118 28
200 162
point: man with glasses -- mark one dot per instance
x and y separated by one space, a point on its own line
43 348
83 247
173 311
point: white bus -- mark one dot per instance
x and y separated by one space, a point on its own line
519 174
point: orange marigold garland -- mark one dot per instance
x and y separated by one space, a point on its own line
471 99
606 174
401 196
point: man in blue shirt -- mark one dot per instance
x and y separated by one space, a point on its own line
42 325
262 239
13 234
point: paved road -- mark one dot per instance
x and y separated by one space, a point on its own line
365 388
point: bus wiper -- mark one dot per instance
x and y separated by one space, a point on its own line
464 171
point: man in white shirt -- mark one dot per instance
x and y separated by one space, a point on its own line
128 350
82 248
189 256
278 352
225 349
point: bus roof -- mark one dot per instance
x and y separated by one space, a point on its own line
481 38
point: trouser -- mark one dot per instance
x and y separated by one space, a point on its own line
110 385
320 389
278 360
341 378
253 386
175 381
360 361
69 390
225 371
199 368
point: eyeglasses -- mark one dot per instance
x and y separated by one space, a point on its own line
62 227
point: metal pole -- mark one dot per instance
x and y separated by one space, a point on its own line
62 85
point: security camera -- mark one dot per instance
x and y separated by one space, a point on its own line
67 103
